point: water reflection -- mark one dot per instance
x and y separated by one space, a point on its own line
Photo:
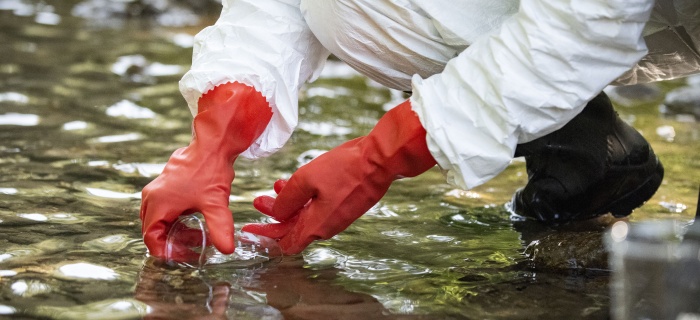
129 110
285 290
110 243
120 138
7 309
102 193
108 309
75 125
84 270
8 191
28 289
14 97
18 119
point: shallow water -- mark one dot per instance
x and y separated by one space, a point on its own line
90 111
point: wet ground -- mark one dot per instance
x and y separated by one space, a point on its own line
90 111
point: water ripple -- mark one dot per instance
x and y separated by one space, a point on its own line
111 243
106 309
30 288
59 217
112 194
322 258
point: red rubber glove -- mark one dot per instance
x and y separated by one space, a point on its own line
326 195
197 178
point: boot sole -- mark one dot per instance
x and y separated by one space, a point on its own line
621 207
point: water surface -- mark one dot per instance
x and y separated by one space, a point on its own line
90 112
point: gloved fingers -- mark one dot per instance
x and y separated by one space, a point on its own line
293 197
154 236
270 230
219 220
156 222
296 241
279 185
317 221
264 204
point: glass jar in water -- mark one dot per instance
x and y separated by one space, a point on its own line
189 244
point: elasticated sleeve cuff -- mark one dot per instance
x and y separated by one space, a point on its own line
262 43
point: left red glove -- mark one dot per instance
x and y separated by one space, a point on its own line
326 195
198 178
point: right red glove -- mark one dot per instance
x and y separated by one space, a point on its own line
326 195
197 178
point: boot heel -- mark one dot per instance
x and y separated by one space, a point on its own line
636 198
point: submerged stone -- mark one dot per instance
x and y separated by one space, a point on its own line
569 250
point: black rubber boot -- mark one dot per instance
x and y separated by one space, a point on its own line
595 164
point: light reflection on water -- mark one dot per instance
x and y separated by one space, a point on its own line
18 119
83 131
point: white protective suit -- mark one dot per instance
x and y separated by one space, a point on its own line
486 75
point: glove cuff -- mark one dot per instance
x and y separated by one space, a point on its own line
231 117
399 143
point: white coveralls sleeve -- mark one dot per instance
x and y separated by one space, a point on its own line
265 44
524 80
